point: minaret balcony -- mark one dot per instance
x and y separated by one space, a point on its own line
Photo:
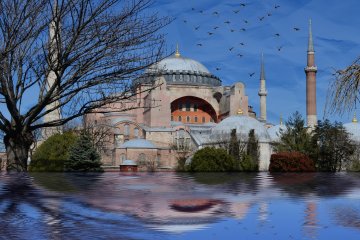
262 93
311 69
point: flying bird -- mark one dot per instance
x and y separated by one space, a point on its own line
242 29
217 69
243 4
185 21
296 29
277 6
277 34
232 30
279 48
246 21
201 11
227 22
216 27
210 33
199 45
197 28
216 13
251 74
236 11
240 55
193 9
230 49
269 14
261 18
242 44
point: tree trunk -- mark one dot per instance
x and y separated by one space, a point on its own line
17 150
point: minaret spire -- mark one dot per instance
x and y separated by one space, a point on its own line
262 91
54 42
310 71
310 41
177 53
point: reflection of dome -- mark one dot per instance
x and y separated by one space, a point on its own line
274 132
174 63
353 129
138 143
242 124
180 70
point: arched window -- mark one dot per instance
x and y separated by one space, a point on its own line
187 119
180 106
195 107
203 119
136 133
172 118
122 157
188 106
126 130
196 119
179 118
141 159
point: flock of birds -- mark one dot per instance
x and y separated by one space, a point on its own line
213 30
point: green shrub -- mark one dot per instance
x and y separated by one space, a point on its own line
52 153
83 156
247 164
212 160
291 162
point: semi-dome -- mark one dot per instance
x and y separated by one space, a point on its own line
179 70
243 124
138 143
274 132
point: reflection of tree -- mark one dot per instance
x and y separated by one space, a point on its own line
28 212
320 184
348 216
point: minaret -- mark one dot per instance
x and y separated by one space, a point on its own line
310 72
262 91
55 114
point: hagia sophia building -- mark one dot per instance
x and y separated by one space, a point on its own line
191 108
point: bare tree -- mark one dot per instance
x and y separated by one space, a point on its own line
95 50
344 91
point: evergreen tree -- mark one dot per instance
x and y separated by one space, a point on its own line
234 148
251 159
83 156
333 146
296 137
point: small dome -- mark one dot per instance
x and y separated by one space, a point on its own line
138 143
274 132
243 125
353 129
174 63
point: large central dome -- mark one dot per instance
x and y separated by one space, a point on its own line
178 63
178 70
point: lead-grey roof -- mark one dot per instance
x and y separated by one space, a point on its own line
174 63
243 124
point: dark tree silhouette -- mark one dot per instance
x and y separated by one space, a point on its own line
95 50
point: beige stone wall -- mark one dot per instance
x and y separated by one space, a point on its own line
160 139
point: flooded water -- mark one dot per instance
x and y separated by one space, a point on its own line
180 206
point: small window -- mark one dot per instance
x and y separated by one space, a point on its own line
126 130
136 132
188 106
172 118
196 119
187 119
179 118
195 107
180 106
203 119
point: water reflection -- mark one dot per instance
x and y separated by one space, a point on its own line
157 206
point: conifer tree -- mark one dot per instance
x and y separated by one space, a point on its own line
83 156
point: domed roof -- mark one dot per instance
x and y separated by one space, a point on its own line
353 128
243 124
274 132
138 143
178 63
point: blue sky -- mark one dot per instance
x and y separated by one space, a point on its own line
336 34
